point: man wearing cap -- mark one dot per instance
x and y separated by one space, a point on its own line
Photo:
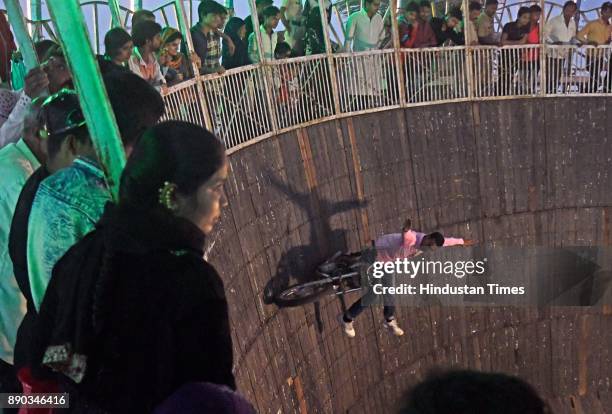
484 24
17 162
69 203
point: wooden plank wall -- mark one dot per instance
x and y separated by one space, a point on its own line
523 172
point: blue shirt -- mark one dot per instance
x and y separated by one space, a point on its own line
66 207
17 163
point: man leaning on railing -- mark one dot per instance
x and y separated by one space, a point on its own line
560 30
597 33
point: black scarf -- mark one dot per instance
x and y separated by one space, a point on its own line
77 300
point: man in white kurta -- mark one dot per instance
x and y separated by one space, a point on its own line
365 30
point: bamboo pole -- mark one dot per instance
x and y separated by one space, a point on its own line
24 41
543 62
330 58
469 50
398 55
268 81
74 39
115 12
186 30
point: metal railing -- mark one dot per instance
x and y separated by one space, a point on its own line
302 89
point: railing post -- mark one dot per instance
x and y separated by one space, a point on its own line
330 59
397 53
543 50
469 58
115 12
186 30
24 41
268 81
72 35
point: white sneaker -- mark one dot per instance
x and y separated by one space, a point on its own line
393 328
347 327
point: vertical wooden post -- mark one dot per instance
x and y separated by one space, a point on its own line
74 39
398 56
543 62
115 13
186 31
331 67
268 80
469 57
24 41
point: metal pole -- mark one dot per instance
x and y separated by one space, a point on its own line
542 51
398 56
74 39
186 30
469 58
330 59
24 41
268 82
115 12
34 13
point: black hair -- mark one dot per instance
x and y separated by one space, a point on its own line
141 16
523 10
179 152
54 51
145 30
534 8
474 5
437 237
281 49
407 225
136 104
61 116
114 40
424 3
270 11
210 7
232 27
465 391
606 6
42 47
412 7
54 142
456 13
173 37
491 2
570 3
264 3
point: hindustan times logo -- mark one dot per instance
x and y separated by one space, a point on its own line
413 268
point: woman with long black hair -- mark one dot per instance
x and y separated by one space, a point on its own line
236 30
133 311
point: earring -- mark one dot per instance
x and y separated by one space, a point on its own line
165 196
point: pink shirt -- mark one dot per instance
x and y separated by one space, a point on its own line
395 246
